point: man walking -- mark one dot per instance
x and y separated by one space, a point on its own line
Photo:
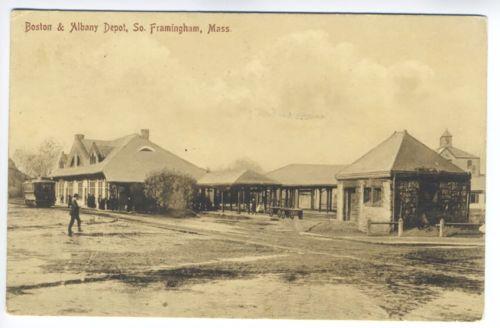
74 212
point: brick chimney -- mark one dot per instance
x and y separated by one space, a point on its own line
145 133
79 137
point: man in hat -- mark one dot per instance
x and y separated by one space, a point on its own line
74 212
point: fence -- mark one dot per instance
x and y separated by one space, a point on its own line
442 224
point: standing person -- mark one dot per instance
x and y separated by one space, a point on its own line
74 212
130 203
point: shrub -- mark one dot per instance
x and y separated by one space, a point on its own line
170 190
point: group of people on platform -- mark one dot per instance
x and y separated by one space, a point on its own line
201 203
110 203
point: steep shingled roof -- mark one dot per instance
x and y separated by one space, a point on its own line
126 163
104 146
306 174
235 178
457 153
401 152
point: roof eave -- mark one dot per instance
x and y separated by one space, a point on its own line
309 184
206 184
442 172
351 176
390 174
75 174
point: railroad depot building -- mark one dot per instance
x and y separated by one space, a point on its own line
105 169
402 178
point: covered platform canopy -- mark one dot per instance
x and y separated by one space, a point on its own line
307 186
236 189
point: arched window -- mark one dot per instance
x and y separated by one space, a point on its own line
93 158
146 148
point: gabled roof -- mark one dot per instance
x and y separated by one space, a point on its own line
457 153
125 163
235 178
104 146
306 174
400 153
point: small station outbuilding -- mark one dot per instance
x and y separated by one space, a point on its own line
402 178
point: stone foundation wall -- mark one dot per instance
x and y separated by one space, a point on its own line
380 213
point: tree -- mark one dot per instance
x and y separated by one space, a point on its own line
246 164
170 190
42 161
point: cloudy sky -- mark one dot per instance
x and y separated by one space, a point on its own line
278 89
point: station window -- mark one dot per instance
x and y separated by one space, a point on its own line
474 197
75 161
377 197
92 188
80 189
372 196
99 188
367 195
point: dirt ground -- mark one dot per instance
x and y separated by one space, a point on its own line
136 265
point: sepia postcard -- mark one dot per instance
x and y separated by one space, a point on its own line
247 165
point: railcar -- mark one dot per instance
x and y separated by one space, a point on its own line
39 193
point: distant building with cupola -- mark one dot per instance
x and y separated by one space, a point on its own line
470 163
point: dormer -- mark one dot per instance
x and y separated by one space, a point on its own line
95 155
75 161
93 158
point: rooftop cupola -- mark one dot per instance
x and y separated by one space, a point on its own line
446 139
